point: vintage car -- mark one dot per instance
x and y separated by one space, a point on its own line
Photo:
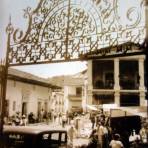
29 137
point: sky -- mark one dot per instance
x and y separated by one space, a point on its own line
14 8
55 69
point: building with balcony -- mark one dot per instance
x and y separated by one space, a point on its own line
118 80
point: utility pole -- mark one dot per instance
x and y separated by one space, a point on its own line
3 84
3 71
146 52
2 81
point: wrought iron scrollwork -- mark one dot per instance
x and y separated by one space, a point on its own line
60 30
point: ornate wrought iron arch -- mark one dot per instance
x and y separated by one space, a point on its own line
67 30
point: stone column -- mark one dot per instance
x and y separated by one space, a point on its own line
146 18
117 98
141 81
116 82
146 66
85 94
90 85
142 98
141 73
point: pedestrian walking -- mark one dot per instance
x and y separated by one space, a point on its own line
71 133
64 120
23 121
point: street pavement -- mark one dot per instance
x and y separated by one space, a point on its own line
83 133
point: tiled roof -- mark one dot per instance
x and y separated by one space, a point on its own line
25 77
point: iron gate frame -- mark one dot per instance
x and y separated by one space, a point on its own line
95 52
64 30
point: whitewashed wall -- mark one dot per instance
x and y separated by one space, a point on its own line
18 91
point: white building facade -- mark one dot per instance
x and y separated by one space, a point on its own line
72 96
74 93
27 94
57 101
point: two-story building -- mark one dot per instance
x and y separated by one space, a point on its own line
117 80
73 95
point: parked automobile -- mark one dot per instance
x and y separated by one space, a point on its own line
29 137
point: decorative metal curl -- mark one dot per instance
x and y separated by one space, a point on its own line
134 21
27 12
69 29
17 36
9 28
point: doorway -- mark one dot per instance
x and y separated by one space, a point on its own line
24 108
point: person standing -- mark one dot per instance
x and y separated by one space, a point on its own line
64 120
71 133
54 117
92 119
103 135
41 115
115 142
143 134
23 121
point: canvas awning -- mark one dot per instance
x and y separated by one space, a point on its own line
129 111
91 107
139 111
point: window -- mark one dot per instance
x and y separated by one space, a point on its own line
55 136
14 105
45 136
129 99
129 75
63 137
103 99
79 91
103 74
109 80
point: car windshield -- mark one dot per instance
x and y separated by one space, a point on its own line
53 140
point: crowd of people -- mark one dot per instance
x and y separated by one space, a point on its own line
102 135
17 119
43 116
